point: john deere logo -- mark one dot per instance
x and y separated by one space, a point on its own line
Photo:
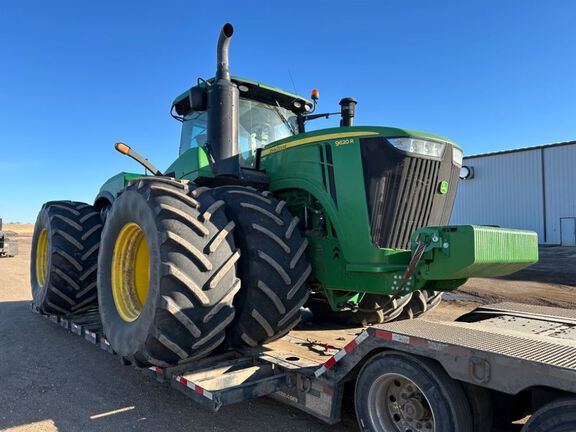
443 187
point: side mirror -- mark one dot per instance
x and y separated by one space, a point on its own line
198 97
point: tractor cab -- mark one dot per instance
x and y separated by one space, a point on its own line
265 114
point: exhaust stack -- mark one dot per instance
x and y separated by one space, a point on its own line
223 100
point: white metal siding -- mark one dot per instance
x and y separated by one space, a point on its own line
506 190
560 181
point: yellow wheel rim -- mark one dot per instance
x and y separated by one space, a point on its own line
42 257
130 272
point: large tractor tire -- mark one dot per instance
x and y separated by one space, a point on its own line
372 309
273 266
422 301
63 263
167 273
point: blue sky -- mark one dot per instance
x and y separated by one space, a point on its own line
76 77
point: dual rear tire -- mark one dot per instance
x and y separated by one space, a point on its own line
167 267
64 257
192 302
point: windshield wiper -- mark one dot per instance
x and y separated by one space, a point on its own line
283 118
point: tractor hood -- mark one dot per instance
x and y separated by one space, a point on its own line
352 132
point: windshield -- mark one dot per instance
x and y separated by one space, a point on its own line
259 125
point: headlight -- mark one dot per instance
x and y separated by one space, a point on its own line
422 147
457 156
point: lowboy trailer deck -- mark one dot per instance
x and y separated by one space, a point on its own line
490 367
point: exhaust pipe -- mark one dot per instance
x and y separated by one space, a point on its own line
222 67
223 100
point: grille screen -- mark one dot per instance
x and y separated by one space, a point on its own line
403 192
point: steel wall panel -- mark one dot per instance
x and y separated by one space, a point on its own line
506 191
560 186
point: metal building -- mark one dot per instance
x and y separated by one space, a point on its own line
530 188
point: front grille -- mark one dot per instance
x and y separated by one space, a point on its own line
403 192
414 200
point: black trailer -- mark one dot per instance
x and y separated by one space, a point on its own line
491 367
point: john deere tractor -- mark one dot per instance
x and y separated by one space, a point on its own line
258 218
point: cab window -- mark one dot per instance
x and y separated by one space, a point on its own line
194 131
259 125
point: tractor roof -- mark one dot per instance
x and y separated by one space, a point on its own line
254 90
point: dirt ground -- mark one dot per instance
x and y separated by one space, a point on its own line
51 380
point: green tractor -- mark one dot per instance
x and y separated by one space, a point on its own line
258 218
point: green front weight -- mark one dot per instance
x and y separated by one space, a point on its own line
464 251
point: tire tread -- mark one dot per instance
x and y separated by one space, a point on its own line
197 279
73 240
273 265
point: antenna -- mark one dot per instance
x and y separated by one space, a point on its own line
292 79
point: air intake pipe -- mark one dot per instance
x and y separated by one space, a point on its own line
223 101
347 111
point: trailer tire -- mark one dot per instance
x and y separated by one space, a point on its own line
422 301
431 397
372 309
166 275
64 254
557 416
273 267
481 406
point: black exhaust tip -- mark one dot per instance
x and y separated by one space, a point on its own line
228 29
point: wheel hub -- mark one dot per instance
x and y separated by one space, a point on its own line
400 406
414 409
130 272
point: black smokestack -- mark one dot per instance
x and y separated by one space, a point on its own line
223 100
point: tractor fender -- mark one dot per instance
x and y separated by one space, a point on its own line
110 189
103 199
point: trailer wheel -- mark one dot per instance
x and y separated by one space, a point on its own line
64 255
373 309
166 275
557 416
481 406
397 392
422 301
273 266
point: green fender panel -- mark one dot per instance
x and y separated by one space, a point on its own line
112 186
